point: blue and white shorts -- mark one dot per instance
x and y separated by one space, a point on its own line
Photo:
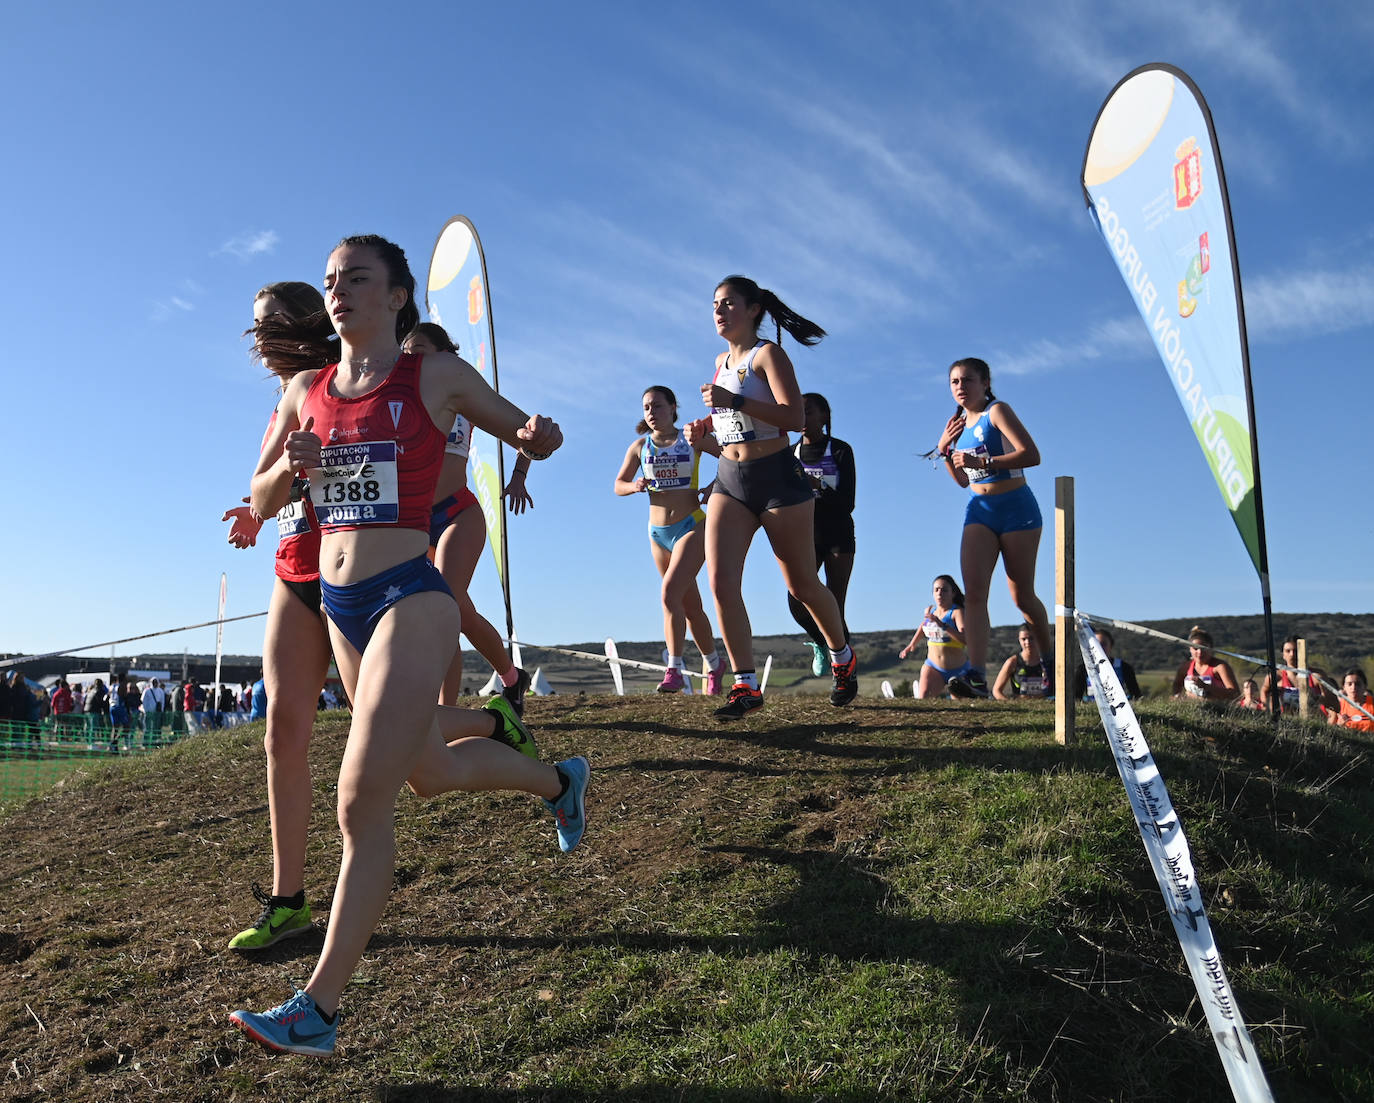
356 609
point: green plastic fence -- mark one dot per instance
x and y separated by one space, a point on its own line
35 756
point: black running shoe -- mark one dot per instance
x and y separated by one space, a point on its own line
970 685
845 686
742 699
516 694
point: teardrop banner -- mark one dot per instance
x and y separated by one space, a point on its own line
458 298
1153 182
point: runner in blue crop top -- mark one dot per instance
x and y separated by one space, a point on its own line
986 449
663 465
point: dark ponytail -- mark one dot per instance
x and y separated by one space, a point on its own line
802 329
398 275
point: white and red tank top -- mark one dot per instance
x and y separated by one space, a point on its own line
459 441
381 451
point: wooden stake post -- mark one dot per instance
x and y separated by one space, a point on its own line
1065 645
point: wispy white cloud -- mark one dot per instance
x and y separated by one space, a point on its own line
174 304
1236 45
248 245
1116 337
1069 37
1310 302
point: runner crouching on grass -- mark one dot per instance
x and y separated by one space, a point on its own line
392 621
942 627
755 401
986 449
1204 677
663 465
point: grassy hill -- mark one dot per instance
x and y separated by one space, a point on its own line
900 900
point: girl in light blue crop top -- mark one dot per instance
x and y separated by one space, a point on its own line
662 464
987 449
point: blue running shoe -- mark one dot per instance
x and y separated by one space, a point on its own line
295 1026
569 810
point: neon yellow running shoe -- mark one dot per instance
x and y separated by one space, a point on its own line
513 733
278 920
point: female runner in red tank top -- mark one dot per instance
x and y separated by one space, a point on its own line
368 433
295 648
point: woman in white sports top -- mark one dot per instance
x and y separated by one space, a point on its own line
755 402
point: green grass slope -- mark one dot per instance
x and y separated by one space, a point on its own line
900 900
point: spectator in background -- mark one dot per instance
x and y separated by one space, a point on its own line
1125 673
246 697
21 700
1204 677
258 700
98 703
176 705
61 698
119 714
1023 674
4 696
1354 692
147 704
78 698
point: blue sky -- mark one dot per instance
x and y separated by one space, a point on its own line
904 174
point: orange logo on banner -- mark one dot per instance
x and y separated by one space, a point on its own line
481 364
1187 174
475 301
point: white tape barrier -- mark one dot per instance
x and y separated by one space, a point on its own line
887 689
1127 626
128 639
767 669
1172 862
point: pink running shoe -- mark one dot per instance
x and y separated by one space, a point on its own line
672 681
715 681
